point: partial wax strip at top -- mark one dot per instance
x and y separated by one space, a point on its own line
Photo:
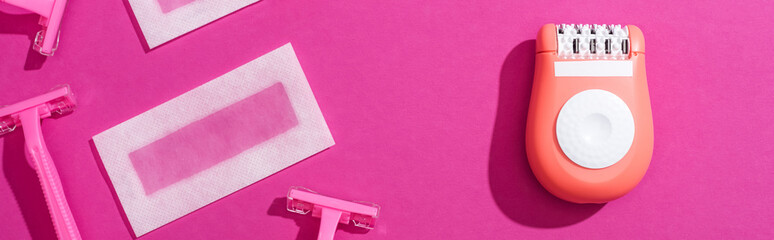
169 5
215 138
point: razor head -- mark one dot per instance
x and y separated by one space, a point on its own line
58 102
304 201
592 41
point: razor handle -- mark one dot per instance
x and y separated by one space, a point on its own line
40 159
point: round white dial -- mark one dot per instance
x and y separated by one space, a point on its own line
595 128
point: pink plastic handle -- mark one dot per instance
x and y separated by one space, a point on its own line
51 38
328 222
48 176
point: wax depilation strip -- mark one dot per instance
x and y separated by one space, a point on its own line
163 20
233 129
213 140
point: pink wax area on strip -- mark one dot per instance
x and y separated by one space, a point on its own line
169 5
213 139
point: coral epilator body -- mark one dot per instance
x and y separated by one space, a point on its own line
589 128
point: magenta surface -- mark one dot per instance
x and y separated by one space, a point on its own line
427 102
213 139
169 5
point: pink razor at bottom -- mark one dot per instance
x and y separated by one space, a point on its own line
331 211
28 114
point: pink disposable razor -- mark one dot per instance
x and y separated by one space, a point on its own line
28 114
331 211
50 12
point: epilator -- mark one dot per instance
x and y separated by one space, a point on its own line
589 127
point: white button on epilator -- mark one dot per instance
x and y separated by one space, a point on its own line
595 128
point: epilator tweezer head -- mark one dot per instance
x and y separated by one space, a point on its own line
592 41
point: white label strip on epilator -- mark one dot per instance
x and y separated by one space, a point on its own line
213 140
598 68
164 20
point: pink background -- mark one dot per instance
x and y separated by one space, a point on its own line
427 103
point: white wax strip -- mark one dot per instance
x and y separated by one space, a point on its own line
213 140
164 20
